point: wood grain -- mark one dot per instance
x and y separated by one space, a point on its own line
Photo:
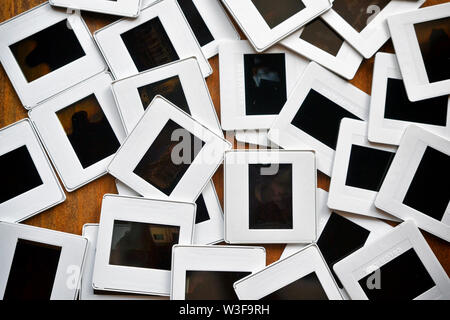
83 205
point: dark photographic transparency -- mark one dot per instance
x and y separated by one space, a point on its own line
434 42
149 45
340 238
403 278
423 194
358 13
320 35
202 211
212 285
157 166
305 288
19 174
88 130
368 167
196 22
47 50
169 88
33 271
276 12
270 197
265 83
143 245
398 107
321 118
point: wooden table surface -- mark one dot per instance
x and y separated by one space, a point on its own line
83 205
